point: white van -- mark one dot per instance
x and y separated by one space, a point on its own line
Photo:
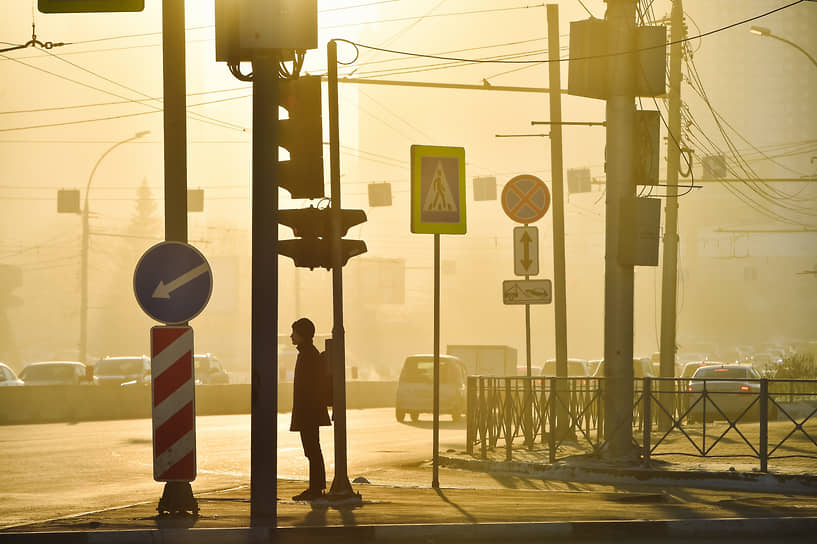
415 388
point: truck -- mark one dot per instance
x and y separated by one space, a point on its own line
485 360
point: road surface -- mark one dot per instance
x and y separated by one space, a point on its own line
59 469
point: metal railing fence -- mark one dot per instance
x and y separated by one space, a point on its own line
768 420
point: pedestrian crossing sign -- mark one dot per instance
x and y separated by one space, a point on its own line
437 190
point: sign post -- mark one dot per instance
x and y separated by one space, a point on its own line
173 283
525 199
437 207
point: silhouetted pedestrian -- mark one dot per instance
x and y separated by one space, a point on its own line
308 405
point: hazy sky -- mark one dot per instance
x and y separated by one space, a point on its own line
61 109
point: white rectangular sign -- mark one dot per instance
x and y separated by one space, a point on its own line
526 292
526 251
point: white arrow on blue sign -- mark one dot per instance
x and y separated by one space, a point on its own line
172 282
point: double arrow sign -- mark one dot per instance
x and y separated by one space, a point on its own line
526 251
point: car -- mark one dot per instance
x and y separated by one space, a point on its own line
55 373
642 368
131 370
209 370
731 389
415 385
576 368
689 368
7 376
688 357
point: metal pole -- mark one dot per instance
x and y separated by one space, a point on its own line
175 158
340 485
528 404
618 277
763 407
559 295
175 120
669 278
435 478
264 351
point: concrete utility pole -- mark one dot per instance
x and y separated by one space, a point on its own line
558 201
670 265
264 342
618 277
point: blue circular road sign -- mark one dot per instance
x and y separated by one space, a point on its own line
172 282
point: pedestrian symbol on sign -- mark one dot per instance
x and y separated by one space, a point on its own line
439 197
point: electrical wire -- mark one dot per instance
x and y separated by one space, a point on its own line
544 61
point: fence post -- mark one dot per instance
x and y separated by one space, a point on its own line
647 399
764 425
492 410
470 415
552 420
542 408
485 420
508 421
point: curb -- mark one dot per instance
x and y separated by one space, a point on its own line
732 481
487 532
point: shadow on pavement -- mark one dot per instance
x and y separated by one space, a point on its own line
461 510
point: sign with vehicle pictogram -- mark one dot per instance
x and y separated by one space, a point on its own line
172 282
437 190
525 199
526 251
526 292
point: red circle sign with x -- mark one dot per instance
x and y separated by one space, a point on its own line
525 199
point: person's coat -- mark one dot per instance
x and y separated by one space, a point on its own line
308 405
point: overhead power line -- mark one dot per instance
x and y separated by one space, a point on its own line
545 61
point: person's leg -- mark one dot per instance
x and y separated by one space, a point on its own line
310 439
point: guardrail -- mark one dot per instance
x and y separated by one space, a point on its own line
71 403
774 420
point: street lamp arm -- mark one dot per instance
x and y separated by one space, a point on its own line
784 40
114 146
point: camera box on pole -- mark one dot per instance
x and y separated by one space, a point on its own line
640 231
587 73
247 26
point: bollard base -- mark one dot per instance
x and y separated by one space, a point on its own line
347 498
178 500
341 492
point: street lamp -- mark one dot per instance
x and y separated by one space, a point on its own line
83 297
765 32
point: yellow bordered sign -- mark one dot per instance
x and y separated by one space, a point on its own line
437 190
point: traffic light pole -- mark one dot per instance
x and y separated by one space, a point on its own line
619 277
341 488
264 351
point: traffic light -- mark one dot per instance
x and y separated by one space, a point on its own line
89 6
312 248
301 136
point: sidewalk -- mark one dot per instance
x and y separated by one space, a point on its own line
518 509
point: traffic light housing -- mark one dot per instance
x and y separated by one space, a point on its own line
301 135
312 248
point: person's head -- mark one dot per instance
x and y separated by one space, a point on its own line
302 332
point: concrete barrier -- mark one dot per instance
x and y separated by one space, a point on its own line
69 403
